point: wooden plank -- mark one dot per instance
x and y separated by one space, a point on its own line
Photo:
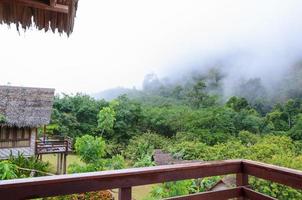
212 195
253 195
282 175
242 179
94 181
65 163
125 193
34 4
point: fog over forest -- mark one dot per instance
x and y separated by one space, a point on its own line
274 81
263 43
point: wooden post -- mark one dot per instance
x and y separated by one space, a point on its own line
44 133
58 163
64 163
242 180
125 194
61 163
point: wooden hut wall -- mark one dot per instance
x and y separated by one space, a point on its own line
15 140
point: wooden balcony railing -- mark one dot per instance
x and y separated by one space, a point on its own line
128 178
54 145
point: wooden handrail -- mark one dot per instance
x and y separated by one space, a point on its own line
86 182
128 178
282 175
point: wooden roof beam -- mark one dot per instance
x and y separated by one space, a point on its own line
34 4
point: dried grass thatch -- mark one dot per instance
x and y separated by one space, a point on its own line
26 107
25 16
162 158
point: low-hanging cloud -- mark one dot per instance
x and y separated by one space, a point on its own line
115 43
246 40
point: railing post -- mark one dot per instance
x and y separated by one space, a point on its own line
125 193
242 179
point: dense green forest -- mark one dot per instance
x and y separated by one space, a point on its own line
193 120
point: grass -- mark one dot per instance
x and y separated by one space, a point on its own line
52 159
138 193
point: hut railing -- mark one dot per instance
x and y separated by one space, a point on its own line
128 178
54 145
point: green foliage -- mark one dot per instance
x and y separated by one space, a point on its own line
232 149
237 103
248 138
90 148
178 188
106 117
116 162
142 146
278 150
171 189
198 94
296 132
2 119
29 163
92 151
21 167
190 120
189 150
8 170
144 161
91 167
75 115
128 119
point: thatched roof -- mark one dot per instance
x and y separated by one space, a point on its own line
226 182
25 107
43 14
162 158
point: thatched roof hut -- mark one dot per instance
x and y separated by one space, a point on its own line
225 183
43 14
25 107
163 158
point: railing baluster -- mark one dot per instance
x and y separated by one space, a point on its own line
242 179
125 193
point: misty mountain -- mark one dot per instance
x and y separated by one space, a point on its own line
113 93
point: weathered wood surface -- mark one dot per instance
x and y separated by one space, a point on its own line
125 193
282 175
26 151
79 183
128 178
253 195
50 146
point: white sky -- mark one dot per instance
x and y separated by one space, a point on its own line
116 42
